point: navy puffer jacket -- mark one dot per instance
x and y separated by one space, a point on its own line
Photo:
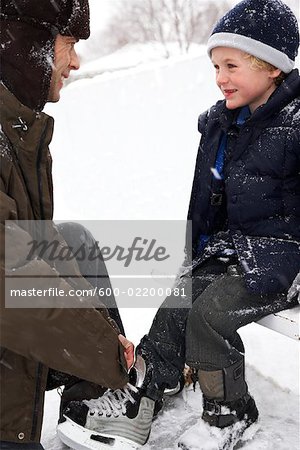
262 187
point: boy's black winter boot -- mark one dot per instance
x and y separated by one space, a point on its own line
225 396
121 419
228 409
224 414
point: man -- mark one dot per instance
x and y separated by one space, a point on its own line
37 54
245 234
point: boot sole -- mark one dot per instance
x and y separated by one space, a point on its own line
80 438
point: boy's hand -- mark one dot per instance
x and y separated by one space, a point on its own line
295 289
128 350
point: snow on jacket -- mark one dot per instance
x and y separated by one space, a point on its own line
81 342
262 187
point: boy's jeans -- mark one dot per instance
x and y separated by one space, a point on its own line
204 336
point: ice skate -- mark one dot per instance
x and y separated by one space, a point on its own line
119 420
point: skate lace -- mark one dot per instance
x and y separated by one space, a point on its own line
112 402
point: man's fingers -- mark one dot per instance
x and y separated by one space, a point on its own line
128 350
124 341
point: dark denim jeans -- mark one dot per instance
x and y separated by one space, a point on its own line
95 272
205 336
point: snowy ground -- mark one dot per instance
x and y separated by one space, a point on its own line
278 426
124 148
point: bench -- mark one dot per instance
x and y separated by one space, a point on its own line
285 322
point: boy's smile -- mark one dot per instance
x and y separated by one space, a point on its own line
228 92
240 84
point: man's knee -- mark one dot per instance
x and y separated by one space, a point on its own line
76 234
85 249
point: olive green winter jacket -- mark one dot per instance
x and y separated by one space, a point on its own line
80 342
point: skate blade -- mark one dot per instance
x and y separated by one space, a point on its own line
79 438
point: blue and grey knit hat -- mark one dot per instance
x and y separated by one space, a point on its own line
267 29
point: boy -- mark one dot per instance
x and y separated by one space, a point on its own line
246 234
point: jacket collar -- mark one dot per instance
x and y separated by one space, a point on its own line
23 126
281 97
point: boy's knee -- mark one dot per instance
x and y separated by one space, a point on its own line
210 312
199 318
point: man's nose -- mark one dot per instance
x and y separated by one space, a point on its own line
74 62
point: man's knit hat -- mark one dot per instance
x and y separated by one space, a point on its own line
27 36
267 29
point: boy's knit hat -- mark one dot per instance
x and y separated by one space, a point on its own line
267 29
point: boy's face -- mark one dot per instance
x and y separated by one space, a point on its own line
65 60
240 84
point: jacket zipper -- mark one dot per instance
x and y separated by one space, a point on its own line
39 371
37 396
38 168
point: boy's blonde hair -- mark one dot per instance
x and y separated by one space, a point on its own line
257 63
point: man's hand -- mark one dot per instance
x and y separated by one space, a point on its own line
128 350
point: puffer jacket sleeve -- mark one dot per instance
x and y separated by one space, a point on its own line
75 340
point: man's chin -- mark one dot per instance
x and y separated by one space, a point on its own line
53 98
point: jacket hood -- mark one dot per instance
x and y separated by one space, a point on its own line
288 91
27 35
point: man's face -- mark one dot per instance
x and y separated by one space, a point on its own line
65 60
